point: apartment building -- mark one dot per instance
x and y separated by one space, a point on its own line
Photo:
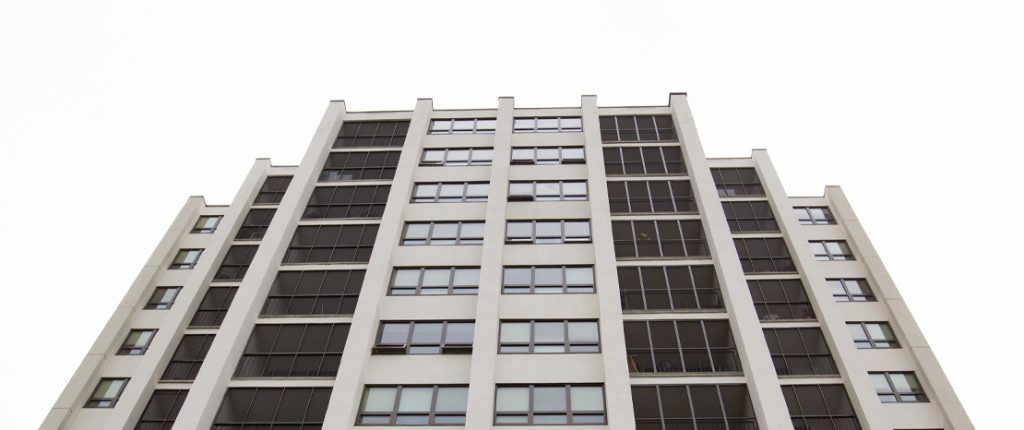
512 268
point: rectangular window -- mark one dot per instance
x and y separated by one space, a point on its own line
898 387
186 259
350 243
107 392
547 337
206 224
162 410
544 191
820 407
450 192
463 126
831 250
293 350
443 233
800 351
549 404
814 215
637 128
188 358
565 124
647 160
685 346
255 224
659 239
434 281
214 307
137 342
850 290
546 232
314 292
674 407
360 166
750 217
425 337
457 157
236 263
873 335
654 288
780 299
642 197
548 155
409 405
365 134
764 255
272 190
363 201
737 182
548 280
261 408
162 298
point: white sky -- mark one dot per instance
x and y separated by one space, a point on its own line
112 113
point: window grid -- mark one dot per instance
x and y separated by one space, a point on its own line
293 350
651 197
424 337
547 190
361 201
161 410
206 224
273 190
564 124
450 192
814 215
831 250
185 259
547 232
873 335
290 408
541 279
371 134
669 287
162 298
314 292
360 166
800 351
820 407
647 160
236 263
570 336
737 182
681 346
637 128
764 255
672 407
443 233
255 224
548 155
457 157
898 387
137 342
850 290
780 299
463 126
213 308
750 217
350 243
388 405
429 281
188 357
659 239
543 404
106 393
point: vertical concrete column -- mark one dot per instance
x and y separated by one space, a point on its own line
613 339
762 382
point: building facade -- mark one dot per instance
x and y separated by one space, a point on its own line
512 268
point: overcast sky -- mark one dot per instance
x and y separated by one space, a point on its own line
112 113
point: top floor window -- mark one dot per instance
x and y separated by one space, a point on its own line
831 250
272 190
637 128
372 134
814 215
457 157
548 155
206 224
737 182
548 124
463 126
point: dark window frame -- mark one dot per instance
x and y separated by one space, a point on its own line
181 260
690 414
866 295
161 413
805 215
845 252
750 216
411 347
805 362
838 413
322 204
665 239
567 345
563 124
188 358
639 197
643 357
212 309
534 239
359 134
893 393
272 190
637 128
255 224
789 302
312 244
252 414
155 300
136 348
452 289
287 298
289 357
564 288
201 228
674 294
98 401
353 166
395 413
530 414
770 261
644 161
863 338
236 263
737 182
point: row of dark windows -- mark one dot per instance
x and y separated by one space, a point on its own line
659 239
686 346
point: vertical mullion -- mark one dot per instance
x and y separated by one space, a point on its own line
679 345
431 414
650 345
643 289
668 287
636 246
693 281
707 346
689 401
398 397
568 403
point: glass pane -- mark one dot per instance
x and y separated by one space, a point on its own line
572 153
549 399
523 124
587 398
583 332
467 277
548 154
520 189
483 155
522 154
407 277
549 229
548 276
416 231
426 334
452 399
512 399
514 332
444 231
463 124
857 332
451 191
415 399
379 399
549 332
477 190
459 334
579 276
426 191
574 188
577 229
458 155
547 123
485 124
436 277
433 155
472 230
881 384
516 229
572 123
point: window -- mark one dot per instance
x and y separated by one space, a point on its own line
443 233
665 346
659 239
548 124
548 280
737 182
293 350
898 387
831 250
350 243
800 351
186 259
457 157
414 405
425 337
236 263
669 287
549 404
545 232
188 358
314 292
206 224
672 407
261 408
162 410
745 217
372 134
450 192
648 160
363 201
545 337
651 197
873 335
780 299
272 190
820 407
637 128
814 215
542 191
255 224
850 290
548 155
360 166
764 255
137 342
107 391
432 281
463 126
162 298
214 307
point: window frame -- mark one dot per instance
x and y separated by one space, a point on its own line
446 152
864 338
705 359
748 259
681 202
818 363
398 133
257 352
562 239
272 190
692 414
182 368
445 347
169 411
829 254
311 418
621 123
464 197
279 293
322 207
183 255
530 413
689 247
451 130
705 298
561 197
232 270
536 160
152 304
306 246
429 238
393 415
532 288
339 165
624 165
752 221
806 216
96 400
566 344
797 308
452 289
559 127
255 224
741 187
201 228
137 348
834 413
217 310
866 293
894 395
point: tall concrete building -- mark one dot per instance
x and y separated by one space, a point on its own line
512 268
